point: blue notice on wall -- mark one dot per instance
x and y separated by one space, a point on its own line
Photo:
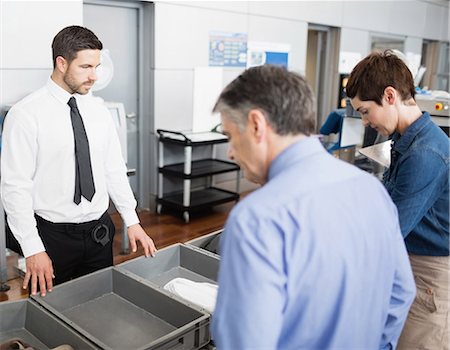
227 49
260 53
277 58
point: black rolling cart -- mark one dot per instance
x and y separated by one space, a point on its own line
189 200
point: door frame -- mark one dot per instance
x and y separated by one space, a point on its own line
327 71
145 83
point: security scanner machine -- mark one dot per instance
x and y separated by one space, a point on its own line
437 104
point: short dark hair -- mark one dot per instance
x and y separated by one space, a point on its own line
375 73
72 39
284 97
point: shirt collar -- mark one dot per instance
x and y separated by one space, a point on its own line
294 153
58 92
402 142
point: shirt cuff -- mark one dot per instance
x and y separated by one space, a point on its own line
32 246
130 218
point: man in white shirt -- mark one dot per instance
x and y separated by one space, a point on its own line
64 230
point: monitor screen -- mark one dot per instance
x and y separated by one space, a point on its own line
352 132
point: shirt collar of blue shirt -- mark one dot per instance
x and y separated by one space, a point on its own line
296 152
402 142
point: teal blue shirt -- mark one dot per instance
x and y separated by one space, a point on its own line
418 182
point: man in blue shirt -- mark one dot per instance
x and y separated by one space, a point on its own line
381 88
314 259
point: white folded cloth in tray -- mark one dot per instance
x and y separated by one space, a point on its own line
202 294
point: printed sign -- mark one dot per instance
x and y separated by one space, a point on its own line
227 49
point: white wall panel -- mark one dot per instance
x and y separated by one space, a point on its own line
28 28
294 33
367 15
353 40
407 18
233 6
319 12
229 74
173 99
16 84
413 45
436 26
182 34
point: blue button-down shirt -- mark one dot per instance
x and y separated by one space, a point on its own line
314 259
418 182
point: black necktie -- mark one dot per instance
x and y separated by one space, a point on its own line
84 181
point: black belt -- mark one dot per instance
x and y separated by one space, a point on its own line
98 230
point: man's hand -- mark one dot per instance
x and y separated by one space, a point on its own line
137 233
39 270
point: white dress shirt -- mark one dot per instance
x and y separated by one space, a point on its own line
38 164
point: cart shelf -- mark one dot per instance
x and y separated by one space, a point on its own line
189 200
200 168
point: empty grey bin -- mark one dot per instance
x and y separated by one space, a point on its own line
116 311
206 242
25 320
177 260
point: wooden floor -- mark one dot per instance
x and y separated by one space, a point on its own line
164 229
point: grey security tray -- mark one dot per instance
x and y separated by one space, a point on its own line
25 320
116 311
177 260
205 242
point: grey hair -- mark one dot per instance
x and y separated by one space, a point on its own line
284 97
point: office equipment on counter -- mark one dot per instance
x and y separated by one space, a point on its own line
352 132
437 104
347 123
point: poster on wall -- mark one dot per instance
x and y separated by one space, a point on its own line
227 49
260 53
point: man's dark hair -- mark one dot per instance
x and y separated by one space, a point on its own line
72 39
375 73
284 97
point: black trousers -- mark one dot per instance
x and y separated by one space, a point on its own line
75 249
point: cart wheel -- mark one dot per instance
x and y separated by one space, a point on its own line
186 217
158 208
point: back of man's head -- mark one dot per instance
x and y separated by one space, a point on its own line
284 97
72 39
372 75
